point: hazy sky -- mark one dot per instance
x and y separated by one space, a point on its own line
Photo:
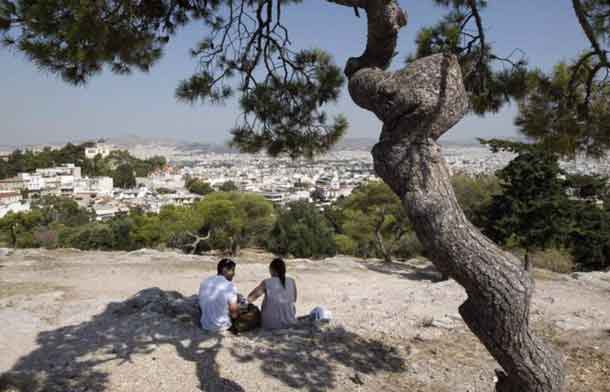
37 107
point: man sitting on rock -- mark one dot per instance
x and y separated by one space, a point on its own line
218 298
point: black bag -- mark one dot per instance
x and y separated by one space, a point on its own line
248 320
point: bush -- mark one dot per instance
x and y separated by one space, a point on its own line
409 246
475 194
345 245
228 186
26 240
95 236
234 220
556 260
591 237
302 231
165 191
198 187
373 218
122 228
46 238
123 177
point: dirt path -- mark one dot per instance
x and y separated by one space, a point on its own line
394 328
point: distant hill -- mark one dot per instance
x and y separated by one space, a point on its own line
355 144
130 141
202 148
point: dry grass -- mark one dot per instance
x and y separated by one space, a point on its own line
553 260
543 274
9 289
587 356
588 370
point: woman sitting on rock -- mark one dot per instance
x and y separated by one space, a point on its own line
278 310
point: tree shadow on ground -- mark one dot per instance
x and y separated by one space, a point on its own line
80 357
72 358
308 356
427 272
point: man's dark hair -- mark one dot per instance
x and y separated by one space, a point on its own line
225 264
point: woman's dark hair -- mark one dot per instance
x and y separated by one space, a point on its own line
279 267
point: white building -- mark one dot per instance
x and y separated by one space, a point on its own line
12 202
68 169
13 207
101 186
107 211
274 197
14 184
66 184
10 197
297 196
102 149
169 181
32 182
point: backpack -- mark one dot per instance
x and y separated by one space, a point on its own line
248 320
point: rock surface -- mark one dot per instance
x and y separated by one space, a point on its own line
97 321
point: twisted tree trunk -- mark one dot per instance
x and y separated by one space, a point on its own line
197 240
417 105
387 256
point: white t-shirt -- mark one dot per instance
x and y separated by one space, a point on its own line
215 295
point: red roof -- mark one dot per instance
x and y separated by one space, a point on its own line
6 195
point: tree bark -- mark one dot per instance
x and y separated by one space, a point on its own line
198 239
14 235
417 105
581 15
235 248
387 257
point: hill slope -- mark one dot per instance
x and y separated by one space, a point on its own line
68 323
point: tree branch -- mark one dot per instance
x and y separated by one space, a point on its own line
385 19
198 240
479 22
588 30
350 3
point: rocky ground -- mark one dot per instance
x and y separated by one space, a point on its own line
71 321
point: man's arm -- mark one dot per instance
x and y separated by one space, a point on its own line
234 310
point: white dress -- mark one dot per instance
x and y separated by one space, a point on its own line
279 304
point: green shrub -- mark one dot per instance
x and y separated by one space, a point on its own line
475 194
345 245
95 236
122 229
26 240
590 237
409 246
556 260
46 238
302 231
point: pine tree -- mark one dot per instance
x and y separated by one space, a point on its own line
283 91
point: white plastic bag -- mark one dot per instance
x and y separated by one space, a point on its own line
320 313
